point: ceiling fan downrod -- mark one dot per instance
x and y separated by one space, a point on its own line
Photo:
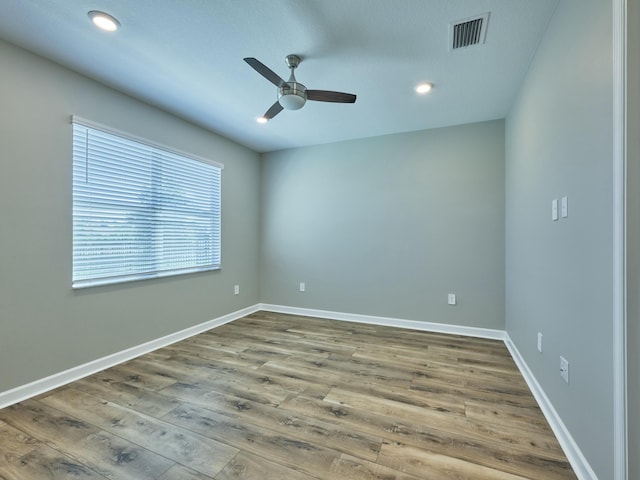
292 95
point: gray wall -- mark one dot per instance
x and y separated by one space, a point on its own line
633 238
559 274
389 225
45 327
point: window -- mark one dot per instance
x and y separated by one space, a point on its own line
140 210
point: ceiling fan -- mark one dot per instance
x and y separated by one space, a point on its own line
292 95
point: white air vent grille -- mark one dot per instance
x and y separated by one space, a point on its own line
466 33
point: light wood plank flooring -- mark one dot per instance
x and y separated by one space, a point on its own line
281 397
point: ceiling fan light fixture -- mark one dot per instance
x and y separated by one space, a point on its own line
424 88
292 101
104 21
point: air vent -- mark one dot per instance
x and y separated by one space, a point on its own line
469 32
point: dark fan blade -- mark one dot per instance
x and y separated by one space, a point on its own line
328 96
265 71
275 109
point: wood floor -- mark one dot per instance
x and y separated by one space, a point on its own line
280 397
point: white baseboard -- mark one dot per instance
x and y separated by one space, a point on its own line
388 321
577 460
579 463
56 380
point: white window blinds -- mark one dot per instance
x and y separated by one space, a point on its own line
140 210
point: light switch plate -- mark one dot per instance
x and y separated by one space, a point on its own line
564 369
554 209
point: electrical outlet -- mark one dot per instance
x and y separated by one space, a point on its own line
236 289
451 299
303 287
564 369
540 342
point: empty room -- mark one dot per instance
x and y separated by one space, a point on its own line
298 239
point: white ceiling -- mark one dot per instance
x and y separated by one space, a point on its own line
185 56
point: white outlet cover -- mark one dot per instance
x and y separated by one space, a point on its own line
540 342
303 287
451 299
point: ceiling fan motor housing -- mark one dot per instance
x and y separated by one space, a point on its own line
292 95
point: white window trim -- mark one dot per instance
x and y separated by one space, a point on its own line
85 283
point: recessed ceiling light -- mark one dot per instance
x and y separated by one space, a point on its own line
104 21
424 88
261 120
